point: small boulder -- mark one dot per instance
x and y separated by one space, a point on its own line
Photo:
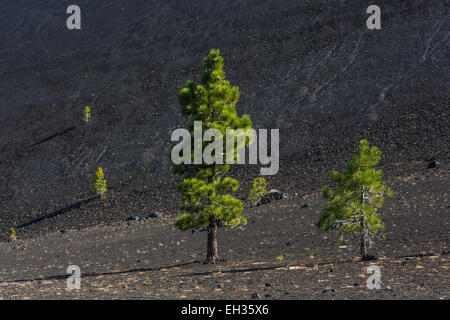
433 164
156 214
277 195
132 218
273 195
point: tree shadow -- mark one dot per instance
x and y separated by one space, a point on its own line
108 273
231 271
54 135
75 205
206 273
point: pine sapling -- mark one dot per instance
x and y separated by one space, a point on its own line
99 183
258 191
356 198
86 114
12 234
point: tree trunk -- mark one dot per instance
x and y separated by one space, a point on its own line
363 236
212 251
363 245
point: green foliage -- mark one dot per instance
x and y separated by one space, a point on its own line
205 190
356 197
280 257
12 234
86 114
258 191
99 182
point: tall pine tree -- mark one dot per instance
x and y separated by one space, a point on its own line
355 199
205 189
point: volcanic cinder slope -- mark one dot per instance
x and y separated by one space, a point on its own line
309 68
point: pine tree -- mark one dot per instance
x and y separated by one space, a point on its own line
99 183
355 199
12 234
86 114
258 191
205 190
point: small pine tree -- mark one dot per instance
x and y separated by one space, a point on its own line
12 234
86 114
99 183
205 190
355 199
258 191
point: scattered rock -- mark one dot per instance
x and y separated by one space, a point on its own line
132 218
326 291
277 195
156 214
273 195
433 164
304 206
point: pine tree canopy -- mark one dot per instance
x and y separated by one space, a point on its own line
356 196
205 190
258 191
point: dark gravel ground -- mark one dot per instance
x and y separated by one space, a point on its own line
152 259
308 68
